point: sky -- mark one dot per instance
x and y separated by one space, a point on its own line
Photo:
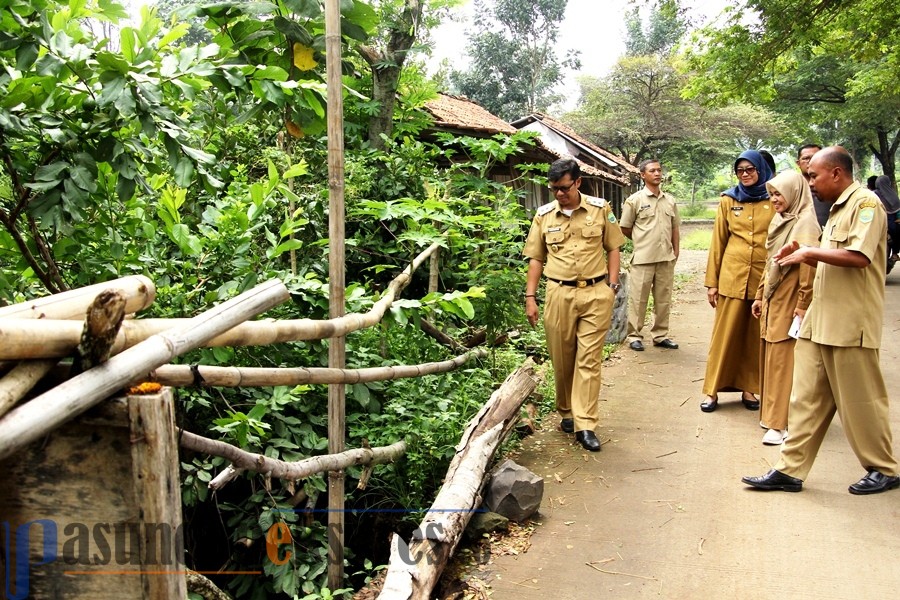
594 27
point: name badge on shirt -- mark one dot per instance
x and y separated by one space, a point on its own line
554 229
737 210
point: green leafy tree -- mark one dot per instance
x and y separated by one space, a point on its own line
514 63
667 25
829 67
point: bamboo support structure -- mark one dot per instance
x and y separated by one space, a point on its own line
336 282
45 338
44 413
20 380
414 570
188 375
292 471
139 292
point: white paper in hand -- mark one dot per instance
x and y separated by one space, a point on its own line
794 331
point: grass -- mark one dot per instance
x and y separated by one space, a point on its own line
698 210
699 239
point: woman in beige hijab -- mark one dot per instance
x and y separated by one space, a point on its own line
784 294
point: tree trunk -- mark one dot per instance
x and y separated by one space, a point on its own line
886 152
414 570
386 67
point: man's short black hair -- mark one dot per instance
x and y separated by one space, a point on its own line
805 146
770 160
649 161
870 182
560 168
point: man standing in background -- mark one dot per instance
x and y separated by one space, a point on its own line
804 155
650 219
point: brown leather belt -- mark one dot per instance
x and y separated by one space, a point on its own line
579 282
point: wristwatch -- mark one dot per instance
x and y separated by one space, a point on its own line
615 286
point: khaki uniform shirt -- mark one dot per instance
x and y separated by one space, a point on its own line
848 303
572 247
737 252
652 219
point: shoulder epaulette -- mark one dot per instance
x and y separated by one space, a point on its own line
543 210
595 201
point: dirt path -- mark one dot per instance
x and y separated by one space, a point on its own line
661 511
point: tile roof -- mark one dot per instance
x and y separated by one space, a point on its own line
461 113
458 112
570 133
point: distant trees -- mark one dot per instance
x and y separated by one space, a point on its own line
830 68
640 111
514 61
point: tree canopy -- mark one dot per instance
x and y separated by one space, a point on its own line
514 62
829 67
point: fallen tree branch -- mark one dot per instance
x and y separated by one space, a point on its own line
57 338
442 338
186 375
414 569
292 470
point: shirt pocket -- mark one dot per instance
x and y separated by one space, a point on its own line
557 237
594 234
838 238
645 215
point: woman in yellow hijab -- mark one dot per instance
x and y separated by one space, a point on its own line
783 296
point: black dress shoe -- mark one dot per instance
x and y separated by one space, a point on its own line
567 425
588 440
750 404
636 345
774 480
666 343
709 406
873 483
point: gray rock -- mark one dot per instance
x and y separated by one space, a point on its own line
513 491
485 522
618 326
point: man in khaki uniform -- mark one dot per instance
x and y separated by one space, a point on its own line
650 218
836 358
566 243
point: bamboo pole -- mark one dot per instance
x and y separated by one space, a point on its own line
20 380
187 375
139 293
44 413
292 471
43 338
337 345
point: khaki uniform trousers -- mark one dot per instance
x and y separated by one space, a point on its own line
576 321
829 379
659 278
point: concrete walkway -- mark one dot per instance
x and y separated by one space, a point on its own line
661 511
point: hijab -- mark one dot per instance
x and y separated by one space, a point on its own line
757 191
885 191
797 222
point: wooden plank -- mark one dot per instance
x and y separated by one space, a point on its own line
76 480
154 459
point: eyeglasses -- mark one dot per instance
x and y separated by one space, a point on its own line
562 188
741 170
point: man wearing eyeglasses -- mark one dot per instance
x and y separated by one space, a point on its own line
650 219
574 241
804 155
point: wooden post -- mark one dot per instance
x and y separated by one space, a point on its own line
157 488
337 346
98 488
